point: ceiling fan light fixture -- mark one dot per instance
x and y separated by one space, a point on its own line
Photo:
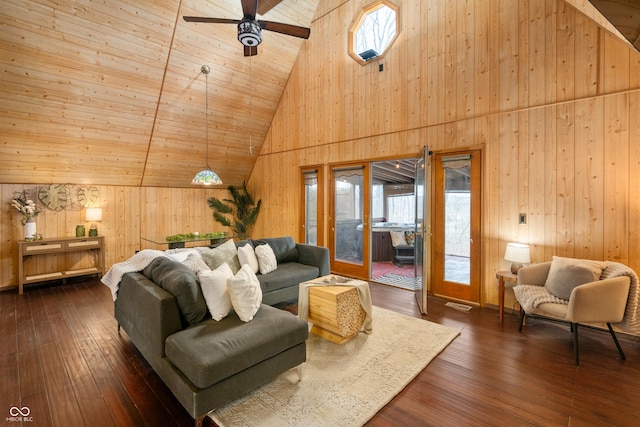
249 33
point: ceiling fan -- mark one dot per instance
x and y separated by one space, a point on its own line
250 28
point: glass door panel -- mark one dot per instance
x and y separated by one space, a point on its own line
311 233
422 232
349 221
456 222
457 217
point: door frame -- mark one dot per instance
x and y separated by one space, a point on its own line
441 287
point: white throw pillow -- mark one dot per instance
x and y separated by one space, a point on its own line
214 288
247 256
246 295
266 258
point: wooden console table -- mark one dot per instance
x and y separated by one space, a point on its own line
61 258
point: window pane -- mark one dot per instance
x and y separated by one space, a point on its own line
311 208
349 205
457 225
377 201
402 209
376 31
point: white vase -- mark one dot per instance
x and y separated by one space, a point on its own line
30 229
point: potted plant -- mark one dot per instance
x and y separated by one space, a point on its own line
241 206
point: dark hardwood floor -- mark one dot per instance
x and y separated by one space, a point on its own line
63 359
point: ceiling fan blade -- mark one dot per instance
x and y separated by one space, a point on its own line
288 29
250 50
266 5
250 8
210 20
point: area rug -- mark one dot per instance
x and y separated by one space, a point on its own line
398 280
344 385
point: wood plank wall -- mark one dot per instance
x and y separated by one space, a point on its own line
129 215
551 97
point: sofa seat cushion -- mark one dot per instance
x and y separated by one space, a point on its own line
212 351
286 275
551 309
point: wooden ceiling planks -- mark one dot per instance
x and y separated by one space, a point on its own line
111 93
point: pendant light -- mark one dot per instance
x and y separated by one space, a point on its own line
206 176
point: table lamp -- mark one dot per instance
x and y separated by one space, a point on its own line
93 215
517 254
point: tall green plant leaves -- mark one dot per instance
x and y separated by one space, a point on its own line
241 205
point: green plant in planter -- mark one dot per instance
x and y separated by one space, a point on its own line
194 236
241 206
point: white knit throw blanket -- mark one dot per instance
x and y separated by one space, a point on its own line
535 295
136 263
532 296
631 320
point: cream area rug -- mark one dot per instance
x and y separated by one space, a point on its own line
344 385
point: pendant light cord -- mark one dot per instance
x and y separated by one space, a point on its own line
250 104
205 70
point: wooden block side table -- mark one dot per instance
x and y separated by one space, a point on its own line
504 277
335 312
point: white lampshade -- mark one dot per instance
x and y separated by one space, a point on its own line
93 214
517 254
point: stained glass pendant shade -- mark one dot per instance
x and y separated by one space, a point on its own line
206 176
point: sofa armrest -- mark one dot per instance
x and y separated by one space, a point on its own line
599 301
535 274
317 256
148 313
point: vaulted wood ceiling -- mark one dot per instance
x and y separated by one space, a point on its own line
624 15
111 92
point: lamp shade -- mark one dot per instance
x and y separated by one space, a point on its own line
206 177
517 252
93 214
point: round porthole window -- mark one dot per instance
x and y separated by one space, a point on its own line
374 31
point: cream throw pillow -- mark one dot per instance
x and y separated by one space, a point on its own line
246 295
397 238
567 273
247 255
214 288
266 258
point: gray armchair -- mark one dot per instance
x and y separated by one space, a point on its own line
599 301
